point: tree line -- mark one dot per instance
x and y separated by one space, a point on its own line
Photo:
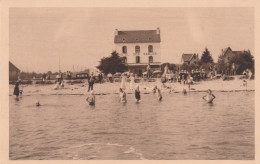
242 61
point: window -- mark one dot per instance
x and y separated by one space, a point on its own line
124 49
137 58
150 59
137 49
150 48
124 60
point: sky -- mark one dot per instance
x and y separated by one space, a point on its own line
80 37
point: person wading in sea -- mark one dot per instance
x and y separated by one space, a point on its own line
209 97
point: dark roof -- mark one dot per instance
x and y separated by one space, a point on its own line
187 57
225 50
140 36
12 67
234 52
238 52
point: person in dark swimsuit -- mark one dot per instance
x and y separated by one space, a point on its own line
137 94
16 89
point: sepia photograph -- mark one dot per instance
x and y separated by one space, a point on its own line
131 83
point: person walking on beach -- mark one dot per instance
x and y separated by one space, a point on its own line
189 81
44 77
91 99
209 97
132 82
137 94
123 79
100 77
122 95
148 71
16 89
110 77
91 81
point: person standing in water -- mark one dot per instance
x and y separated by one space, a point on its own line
122 95
91 99
209 97
158 91
137 94
16 89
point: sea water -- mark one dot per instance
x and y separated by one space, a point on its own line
179 127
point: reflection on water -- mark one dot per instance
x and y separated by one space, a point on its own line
178 127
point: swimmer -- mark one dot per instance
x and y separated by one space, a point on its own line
16 89
122 95
244 83
37 103
62 84
158 91
137 94
21 91
184 91
56 86
91 99
209 97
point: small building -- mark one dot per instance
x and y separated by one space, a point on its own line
138 49
228 53
190 58
13 72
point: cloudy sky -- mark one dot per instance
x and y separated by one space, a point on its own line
82 36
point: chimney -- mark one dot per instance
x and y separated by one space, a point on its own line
116 32
158 30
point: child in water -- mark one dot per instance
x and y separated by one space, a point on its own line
209 97
37 103
91 99
16 89
137 94
122 95
184 91
159 95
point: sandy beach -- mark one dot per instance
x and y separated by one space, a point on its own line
145 87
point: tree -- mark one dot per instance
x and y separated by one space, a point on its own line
222 67
171 67
112 64
242 61
206 57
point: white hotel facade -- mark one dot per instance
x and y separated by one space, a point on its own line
138 48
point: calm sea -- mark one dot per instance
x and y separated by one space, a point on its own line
179 127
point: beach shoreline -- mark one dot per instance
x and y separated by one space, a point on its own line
145 87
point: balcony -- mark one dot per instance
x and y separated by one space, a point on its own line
150 53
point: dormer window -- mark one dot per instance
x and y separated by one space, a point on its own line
149 38
123 39
136 39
